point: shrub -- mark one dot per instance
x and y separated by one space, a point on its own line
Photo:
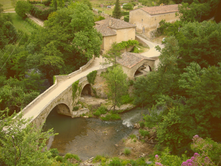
75 108
54 152
115 162
41 12
127 151
144 133
71 156
126 18
100 110
99 158
132 136
59 158
111 116
32 23
135 50
126 99
123 13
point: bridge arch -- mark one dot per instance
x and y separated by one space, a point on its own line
86 90
142 69
60 108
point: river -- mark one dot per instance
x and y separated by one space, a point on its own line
90 137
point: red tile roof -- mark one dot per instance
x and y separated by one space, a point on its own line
107 27
161 9
129 59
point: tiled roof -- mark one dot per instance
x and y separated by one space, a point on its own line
105 30
161 9
106 26
129 59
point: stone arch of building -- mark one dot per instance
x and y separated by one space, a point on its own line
142 69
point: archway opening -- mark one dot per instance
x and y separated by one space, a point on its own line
58 112
142 70
86 91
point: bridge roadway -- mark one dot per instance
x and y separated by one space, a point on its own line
37 107
41 102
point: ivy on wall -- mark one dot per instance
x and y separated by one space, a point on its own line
91 77
74 89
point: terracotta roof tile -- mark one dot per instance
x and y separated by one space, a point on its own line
161 9
106 26
129 59
105 30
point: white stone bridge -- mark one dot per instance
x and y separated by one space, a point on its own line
60 93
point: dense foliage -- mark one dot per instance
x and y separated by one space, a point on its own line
41 12
184 93
22 7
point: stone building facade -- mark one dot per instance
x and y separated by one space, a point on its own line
147 19
114 30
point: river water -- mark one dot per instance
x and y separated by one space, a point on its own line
90 137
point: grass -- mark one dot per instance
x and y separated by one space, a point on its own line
21 24
7 5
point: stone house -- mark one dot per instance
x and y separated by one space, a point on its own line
114 30
136 65
148 18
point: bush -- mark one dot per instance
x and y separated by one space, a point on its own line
126 18
127 151
144 133
111 116
132 136
32 23
100 110
126 99
41 12
123 13
59 158
115 162
99 158
54 152
135 50
75 108
71 156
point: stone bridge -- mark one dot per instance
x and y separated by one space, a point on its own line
67 89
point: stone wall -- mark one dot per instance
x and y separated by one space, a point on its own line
145 22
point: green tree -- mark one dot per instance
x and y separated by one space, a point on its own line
163 81
117 85
22 143
128 6
1 8
199 42
22 7
57 3
197 10
117 11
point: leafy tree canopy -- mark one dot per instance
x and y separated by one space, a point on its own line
22 7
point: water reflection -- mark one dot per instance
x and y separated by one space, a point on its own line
85 137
